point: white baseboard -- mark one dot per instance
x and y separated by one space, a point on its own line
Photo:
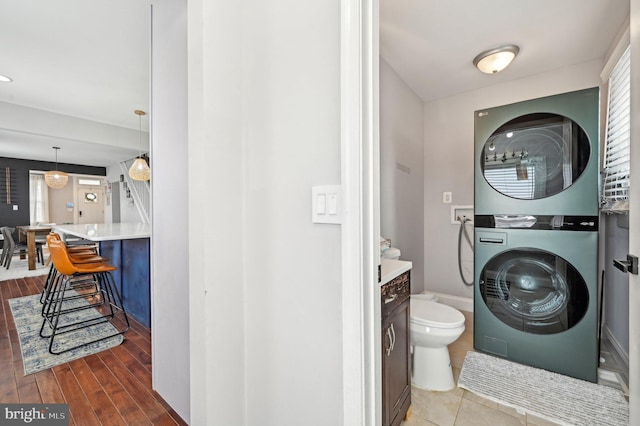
458 302
617 346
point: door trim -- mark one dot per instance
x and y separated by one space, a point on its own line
361 321
634 217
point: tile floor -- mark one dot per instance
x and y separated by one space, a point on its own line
460 407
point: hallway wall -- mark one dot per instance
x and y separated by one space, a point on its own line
291 134
402 170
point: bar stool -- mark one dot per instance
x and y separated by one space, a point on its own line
60 303
79 254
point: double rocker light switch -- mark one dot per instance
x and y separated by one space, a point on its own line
325 204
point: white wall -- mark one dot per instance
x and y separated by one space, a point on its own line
402 170
169 235
58 199
448 160
264 126
113 176
128 210
616 283
291 107
216 216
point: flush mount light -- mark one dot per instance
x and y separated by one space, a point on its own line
495 60
5 79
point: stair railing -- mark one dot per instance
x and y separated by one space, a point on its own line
140 192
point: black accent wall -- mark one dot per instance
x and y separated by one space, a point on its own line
20 185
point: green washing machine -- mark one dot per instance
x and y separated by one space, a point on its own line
536 233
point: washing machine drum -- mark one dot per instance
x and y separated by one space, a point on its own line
534 291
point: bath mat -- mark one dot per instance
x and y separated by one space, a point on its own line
552 396
35 349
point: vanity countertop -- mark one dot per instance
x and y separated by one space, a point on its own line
392 268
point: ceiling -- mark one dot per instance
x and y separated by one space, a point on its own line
81 58
90 58
431 43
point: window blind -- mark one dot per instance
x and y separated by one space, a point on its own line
615 188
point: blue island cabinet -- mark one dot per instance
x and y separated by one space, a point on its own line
132 258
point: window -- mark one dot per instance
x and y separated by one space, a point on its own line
615 186
38 199
92 182
91 197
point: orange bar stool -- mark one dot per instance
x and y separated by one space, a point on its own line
76 254
66 299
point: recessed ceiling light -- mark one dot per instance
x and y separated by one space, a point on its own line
5 79
495 60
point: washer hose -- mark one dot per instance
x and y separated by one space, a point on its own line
463 231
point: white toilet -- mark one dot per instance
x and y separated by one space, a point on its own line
432 327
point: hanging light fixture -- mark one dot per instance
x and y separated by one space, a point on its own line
55 178
140 169
495 60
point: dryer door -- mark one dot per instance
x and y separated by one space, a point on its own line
535 156
534 291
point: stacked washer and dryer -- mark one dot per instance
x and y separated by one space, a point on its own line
536 232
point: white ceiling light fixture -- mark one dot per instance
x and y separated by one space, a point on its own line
140 169
495 60
54 178
5 79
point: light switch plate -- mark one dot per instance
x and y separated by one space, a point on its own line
326 204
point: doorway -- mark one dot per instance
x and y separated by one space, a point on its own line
90 201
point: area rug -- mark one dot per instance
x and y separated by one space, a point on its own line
20 269
552 396
35 349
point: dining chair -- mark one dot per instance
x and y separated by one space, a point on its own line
4 246
13 248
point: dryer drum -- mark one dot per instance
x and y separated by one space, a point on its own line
535 156
534 291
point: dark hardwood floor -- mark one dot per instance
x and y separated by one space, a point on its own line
112 387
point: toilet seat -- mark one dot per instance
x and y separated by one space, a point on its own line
433 314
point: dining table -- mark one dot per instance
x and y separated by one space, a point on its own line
31 231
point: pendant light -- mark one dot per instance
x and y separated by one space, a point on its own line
55 178
140 169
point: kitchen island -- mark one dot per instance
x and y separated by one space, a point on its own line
127 245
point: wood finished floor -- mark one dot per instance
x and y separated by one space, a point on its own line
112 387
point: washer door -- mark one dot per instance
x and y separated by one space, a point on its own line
534 291
535 156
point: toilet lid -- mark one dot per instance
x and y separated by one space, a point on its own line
428 313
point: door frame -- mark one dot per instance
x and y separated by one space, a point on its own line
634 218
361 321
360 145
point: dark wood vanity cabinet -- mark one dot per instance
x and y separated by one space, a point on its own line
396 358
